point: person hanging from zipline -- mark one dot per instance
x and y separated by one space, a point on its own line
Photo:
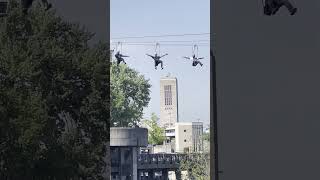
271 7
195 60
120 57
157 60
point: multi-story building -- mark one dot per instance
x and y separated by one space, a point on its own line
185 137
168 102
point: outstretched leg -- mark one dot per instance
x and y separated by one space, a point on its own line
267 9
161 64
155 64
118 61
289 6
123 61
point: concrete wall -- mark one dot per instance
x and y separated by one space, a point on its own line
136 137
183 136
125 142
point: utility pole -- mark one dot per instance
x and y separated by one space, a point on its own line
214 117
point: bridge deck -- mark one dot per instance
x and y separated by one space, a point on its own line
160 161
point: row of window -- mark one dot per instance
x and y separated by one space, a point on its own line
167 95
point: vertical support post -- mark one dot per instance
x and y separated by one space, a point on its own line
150 175
178 174
164 174
134 163
214 117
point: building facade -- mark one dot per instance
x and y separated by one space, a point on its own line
185 137
188 137
168 102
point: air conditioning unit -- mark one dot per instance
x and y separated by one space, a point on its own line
3 8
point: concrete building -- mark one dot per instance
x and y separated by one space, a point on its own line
124 147
188 137
168 101
184 137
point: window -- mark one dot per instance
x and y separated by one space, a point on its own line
3 8
184 130
167 95
185 140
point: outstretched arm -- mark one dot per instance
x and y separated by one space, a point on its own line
150 55
164 55
186 57
124 56
200 58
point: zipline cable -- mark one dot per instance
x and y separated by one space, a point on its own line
165 35
133 44
152 42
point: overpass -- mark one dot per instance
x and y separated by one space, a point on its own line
150 166
127 163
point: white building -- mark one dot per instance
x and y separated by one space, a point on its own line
188 137
184 137
168 102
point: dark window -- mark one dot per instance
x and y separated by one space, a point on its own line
185 140
185 130
167 95
3 8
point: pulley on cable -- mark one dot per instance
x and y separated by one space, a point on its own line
119 56
195 59
157 56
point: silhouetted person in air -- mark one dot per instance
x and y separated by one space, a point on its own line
157 60
26 4
120 57
271 7
195 60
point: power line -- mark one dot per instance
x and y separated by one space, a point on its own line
194 41
137 44
164 35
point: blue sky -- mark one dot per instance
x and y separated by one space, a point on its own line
159 17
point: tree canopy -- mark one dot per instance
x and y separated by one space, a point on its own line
54 98
130 93
155 132
197 166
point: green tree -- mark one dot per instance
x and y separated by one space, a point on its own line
206 136
155 133
130 93
197 166
54 98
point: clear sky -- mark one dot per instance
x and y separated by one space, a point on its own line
151 17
